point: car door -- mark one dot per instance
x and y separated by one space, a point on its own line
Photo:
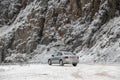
54 59
58 57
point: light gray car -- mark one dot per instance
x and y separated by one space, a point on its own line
63 57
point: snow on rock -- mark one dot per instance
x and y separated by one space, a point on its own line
87 27
107 47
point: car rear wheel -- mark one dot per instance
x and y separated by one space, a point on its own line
49 62
74 64
61 63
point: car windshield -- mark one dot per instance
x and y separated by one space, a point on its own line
68 53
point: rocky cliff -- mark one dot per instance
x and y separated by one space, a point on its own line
87 27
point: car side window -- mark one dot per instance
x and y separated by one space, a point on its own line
59 54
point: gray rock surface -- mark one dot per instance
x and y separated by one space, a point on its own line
80 26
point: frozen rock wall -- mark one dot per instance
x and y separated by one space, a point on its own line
73 25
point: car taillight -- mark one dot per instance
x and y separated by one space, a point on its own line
66 57
77 57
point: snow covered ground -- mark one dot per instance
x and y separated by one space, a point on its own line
56 72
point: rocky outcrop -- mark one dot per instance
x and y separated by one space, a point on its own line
65 24
9 9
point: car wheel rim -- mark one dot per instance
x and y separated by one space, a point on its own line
49 62
61 63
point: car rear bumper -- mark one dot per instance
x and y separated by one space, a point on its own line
69 61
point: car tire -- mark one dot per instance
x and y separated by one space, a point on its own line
74 64
61 63
49 62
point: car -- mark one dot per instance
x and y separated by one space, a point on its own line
63 57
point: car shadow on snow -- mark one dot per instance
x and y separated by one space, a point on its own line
66 65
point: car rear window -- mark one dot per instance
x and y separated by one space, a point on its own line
68 53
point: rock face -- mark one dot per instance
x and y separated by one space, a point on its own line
73 25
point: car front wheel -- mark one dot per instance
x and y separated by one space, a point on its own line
74 64
49 62
61 63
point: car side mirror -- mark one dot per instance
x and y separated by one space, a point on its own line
52 55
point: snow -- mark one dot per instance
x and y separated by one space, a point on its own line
56 72
42 54
4 30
